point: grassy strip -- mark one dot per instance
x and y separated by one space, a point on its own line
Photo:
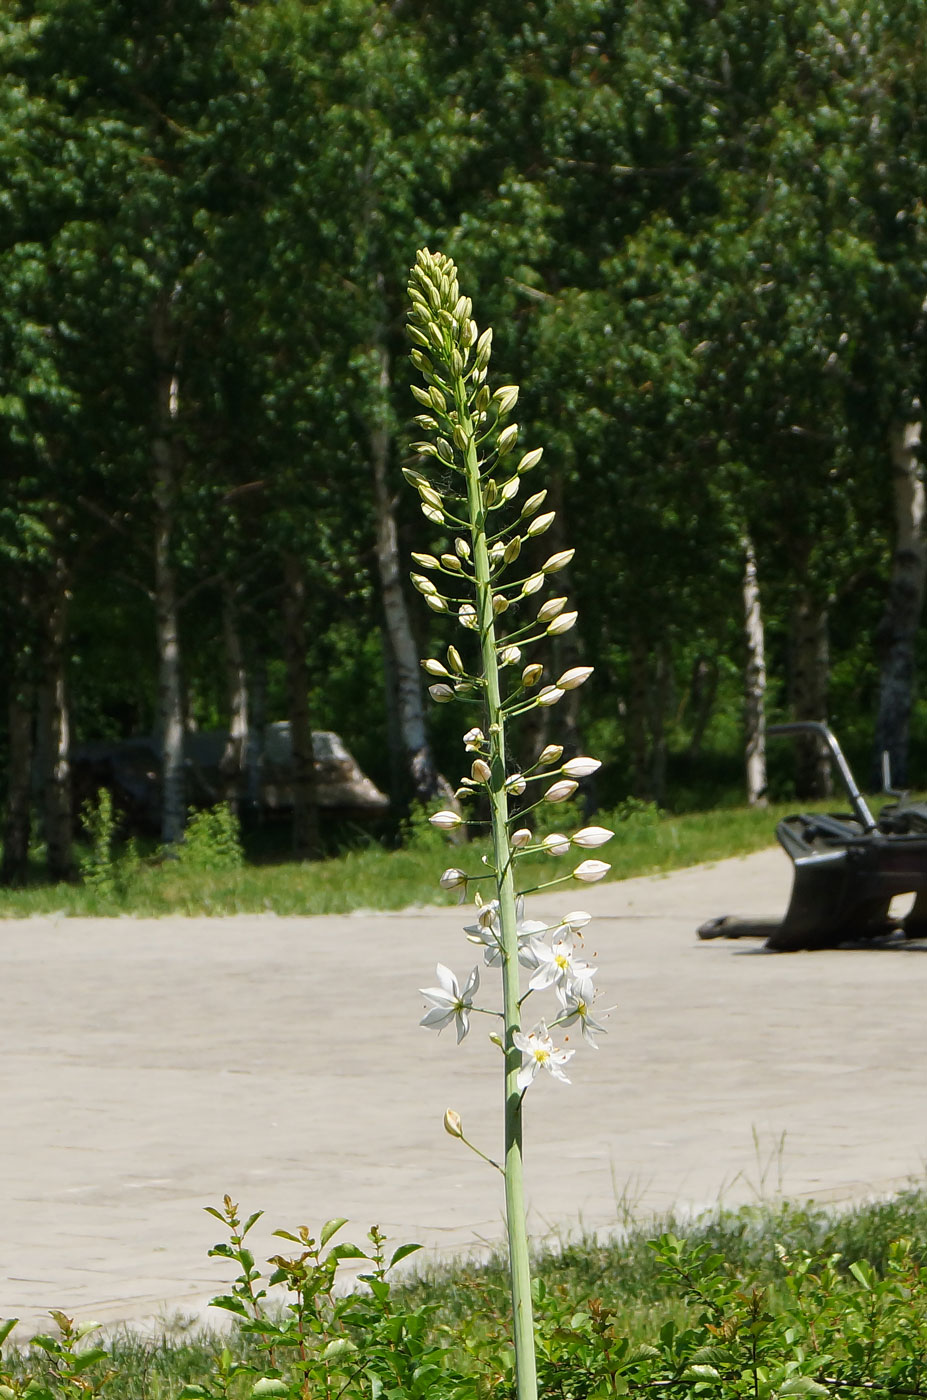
370 877
466 1304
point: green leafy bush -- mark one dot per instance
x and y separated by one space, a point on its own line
212 840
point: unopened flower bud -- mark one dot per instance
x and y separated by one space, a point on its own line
590 871
484 348
530 460
452 1123
480 771
551 754
462 547
430 496
422 395
592 836
445 450
425 561
454 661
556 844
509 489
433 514
562 624
435 667
551 609
581 767
558 561
436 603
550 695
574 677
510 656
541 523
534 503
505 398
576 920
515 785
467 615
441 694
424 585
512 549
499 603
490 492
445 821
507 439
474 738
561 790
437 399
521 837
532 673
451 563
532 584
481 402
453 879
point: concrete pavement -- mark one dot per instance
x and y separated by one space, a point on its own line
149 1066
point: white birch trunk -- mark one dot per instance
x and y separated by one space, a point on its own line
427 783
165 472
231 764
897 632
56 786
754 681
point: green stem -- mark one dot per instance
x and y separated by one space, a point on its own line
519 1263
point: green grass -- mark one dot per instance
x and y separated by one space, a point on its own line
370 877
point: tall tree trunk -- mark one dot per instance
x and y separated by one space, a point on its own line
165 475
703 691
754 681
659 705
254 748
17 817
305 805
426 782
810 684
231 764
57 777
897 632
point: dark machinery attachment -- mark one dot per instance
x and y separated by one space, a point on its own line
847 867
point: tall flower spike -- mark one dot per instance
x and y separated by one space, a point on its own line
468 470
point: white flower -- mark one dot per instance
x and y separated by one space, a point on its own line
445 821
591 870
555 844
592 836
576 676
449 1002
454 879
487 932
557 964
581 767
539 1052
576 1008
560 791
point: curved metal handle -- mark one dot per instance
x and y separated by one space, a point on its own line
812 726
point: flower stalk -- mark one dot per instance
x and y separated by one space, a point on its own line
470 480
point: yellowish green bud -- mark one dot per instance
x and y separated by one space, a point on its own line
533 503
532 674
532 585
558 561
500 603
423 395
462 547
430 496
551 609
530 460
425 561
551 754
507 439
512 549
462 439
541 523
432 513
505 398
454 661
481 402
490 492
510 489
452 563
437 399
435 667
436 602
452 1123
484 348
424 585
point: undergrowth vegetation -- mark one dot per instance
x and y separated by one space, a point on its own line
761 1302
214 873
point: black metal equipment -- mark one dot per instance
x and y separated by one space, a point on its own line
847 867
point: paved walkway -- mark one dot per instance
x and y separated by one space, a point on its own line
149 1066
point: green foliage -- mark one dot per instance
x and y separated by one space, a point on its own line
108 876
212 840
